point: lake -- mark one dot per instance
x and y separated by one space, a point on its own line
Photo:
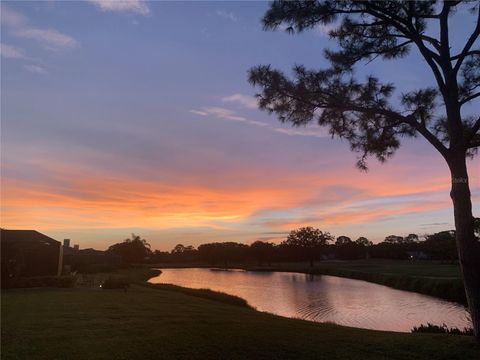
324 298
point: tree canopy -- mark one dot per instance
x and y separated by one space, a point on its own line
363 112
308 237
134 249
363 241
343 240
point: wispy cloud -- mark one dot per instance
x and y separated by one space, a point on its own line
227 15
245 100
48 38
12 18
442 224
132 6
51 39
251 103
225 114
199 112
11 52
18 26
307 131
36 69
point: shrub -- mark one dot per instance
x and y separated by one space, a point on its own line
40 281
95 268
115 283
442 329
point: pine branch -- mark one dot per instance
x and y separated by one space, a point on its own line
468 53
469 98
473 131
468 45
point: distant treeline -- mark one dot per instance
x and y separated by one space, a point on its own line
304 244
439 246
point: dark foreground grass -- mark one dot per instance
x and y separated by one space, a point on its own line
139 275
158 323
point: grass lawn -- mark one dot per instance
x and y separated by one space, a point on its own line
424 269
159 322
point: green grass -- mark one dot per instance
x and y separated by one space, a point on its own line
140 274
158 323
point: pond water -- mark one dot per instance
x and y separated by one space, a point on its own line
324 298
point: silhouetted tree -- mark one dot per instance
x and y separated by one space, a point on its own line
262 251
343 240
394 239
363 241
209 253
411 238
160 256
363 112
225 252
309 239
389 250
347 249
178 249
441 246
183 253
132 250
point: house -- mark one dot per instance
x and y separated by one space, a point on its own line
27 253
88 260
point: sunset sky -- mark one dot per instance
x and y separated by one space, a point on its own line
137 117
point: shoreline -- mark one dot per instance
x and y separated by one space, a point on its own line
239 299
450 289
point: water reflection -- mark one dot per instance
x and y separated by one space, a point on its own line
324 298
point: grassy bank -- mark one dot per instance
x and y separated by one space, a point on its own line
426 277
140 274
164 323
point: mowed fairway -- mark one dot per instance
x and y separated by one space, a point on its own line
158 323
421 269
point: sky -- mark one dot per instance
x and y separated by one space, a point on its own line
137 117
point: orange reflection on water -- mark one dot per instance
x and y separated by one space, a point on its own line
324 298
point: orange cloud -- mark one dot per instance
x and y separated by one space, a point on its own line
83 198
105 201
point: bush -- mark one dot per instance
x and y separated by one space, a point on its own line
40 281
442 329
95 268
116 283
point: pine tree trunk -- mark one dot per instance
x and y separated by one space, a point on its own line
467 245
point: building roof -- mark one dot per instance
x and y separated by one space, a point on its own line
24 236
